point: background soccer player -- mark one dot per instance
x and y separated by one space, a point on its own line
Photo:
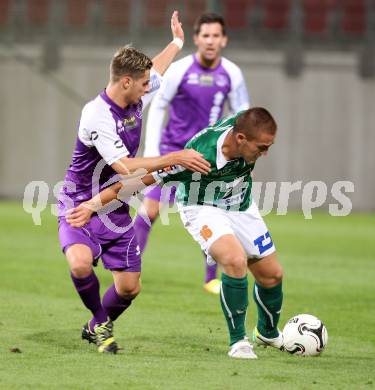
194 91
108 139
218 211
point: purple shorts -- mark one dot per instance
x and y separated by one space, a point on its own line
118 251
162 195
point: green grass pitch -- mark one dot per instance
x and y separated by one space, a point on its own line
174 336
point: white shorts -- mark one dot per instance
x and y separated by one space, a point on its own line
206 224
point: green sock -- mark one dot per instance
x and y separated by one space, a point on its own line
234 300
269 302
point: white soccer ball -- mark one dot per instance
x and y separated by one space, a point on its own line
305 335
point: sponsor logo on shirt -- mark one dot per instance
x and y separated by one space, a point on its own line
206 80
127 124
193 78
130 123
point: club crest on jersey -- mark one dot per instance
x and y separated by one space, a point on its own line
221 80
154 83
228 169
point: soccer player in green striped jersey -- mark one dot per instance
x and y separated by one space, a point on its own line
218 211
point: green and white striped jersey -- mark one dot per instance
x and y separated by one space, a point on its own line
229 183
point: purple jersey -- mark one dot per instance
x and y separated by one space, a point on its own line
195 96
106 133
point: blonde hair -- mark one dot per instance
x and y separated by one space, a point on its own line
128 61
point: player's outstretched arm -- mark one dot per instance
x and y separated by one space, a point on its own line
188 158
80 215
162 60
135 177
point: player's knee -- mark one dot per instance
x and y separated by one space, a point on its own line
278 275
81 268
80 260
236 264
271 278
128 291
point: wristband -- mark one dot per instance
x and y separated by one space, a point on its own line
178 42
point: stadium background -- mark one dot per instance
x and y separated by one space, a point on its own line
311 62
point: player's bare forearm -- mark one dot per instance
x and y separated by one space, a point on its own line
162 60
128 166
81 214
140 166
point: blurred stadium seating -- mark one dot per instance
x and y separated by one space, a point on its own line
115 15
236 13
77 13
328 20
316 16
276 14
4 12
354 16
38 11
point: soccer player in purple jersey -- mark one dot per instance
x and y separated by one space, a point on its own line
194 91
108 139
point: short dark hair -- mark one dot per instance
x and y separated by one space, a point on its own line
129 61
254 120
208 18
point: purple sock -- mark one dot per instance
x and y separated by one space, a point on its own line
88 290
142 230
210 272
114 304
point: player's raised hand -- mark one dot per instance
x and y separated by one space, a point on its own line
162 60
176 27
80 215
192 160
